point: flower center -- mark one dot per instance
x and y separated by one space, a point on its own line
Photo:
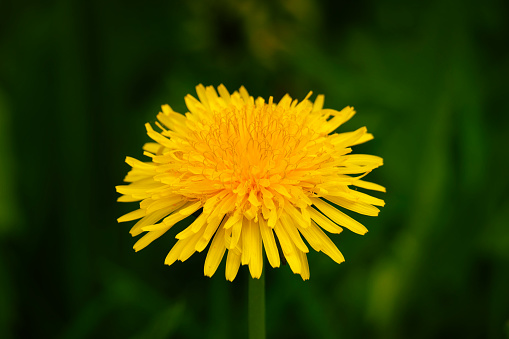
251 144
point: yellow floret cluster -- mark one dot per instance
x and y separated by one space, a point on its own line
262 176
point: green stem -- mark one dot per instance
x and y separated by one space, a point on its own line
256 307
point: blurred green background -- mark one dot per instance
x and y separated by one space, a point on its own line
78 80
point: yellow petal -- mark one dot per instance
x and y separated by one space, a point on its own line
369 185
285 102
195 107
144 166
132 215
326 245
253 199
339 118
190 245
208 233
215 254
174 253
202 95
246 241
233 219
152 147
236 231
359 207
256 260
269 243
209 205
245 95
367 198
367 160
295 215
292 231
324 222
318 104
223 92
150 219
164 202
168 222
288 248
193 228
157 137
339 217
310 236
304 264
128 198
232 264
350 138
147 239
191 208
281 190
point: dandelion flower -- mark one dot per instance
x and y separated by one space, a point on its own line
260 176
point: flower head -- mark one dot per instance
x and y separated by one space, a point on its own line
261 176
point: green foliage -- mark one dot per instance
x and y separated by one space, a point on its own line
78 80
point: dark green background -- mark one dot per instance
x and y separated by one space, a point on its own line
78 80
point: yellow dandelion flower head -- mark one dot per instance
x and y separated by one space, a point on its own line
261 176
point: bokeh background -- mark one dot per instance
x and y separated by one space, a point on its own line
78 80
